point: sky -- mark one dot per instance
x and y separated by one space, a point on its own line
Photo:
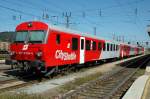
126 20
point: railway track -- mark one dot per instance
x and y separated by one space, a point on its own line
4 56
110 86
13 82
25 80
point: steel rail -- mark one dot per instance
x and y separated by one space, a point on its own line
123 82
106 83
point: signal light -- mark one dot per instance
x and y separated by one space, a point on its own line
30 24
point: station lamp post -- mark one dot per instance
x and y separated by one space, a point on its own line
148 29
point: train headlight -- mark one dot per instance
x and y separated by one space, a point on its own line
12 53
39 54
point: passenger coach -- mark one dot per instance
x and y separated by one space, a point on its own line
44 48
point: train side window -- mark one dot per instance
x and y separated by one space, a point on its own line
104 47
94 45
74 43
82 44
114 47
88 44
107 46
58 38
117 47
111 47
99 46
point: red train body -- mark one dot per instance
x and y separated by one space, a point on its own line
46 47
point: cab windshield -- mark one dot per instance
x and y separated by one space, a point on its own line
21 37
36 36
30 36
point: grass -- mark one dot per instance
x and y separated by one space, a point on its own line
77 82
2 57
80 81
63 89
20 96
140 72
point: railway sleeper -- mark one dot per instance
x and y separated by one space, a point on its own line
87 95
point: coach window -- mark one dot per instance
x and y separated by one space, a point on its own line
74 43
111 47
58 39
94 45
87 44
132 49
117 48
104 47
107 46
82 44
114 47
99 46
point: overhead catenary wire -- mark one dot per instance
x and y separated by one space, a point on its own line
73 13
25 13
31 6
40 6
19 11
88 17
43 14
109 7
136 17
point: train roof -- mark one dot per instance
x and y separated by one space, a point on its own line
70 31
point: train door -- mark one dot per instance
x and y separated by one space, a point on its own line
82 49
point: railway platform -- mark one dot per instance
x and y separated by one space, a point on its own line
2 61
140 89
3 66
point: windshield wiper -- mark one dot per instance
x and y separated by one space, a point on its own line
35 41
19 41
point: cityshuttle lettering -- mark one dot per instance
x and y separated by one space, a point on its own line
65 55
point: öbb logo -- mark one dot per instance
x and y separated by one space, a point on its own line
25 47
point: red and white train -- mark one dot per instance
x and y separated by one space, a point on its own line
46 48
